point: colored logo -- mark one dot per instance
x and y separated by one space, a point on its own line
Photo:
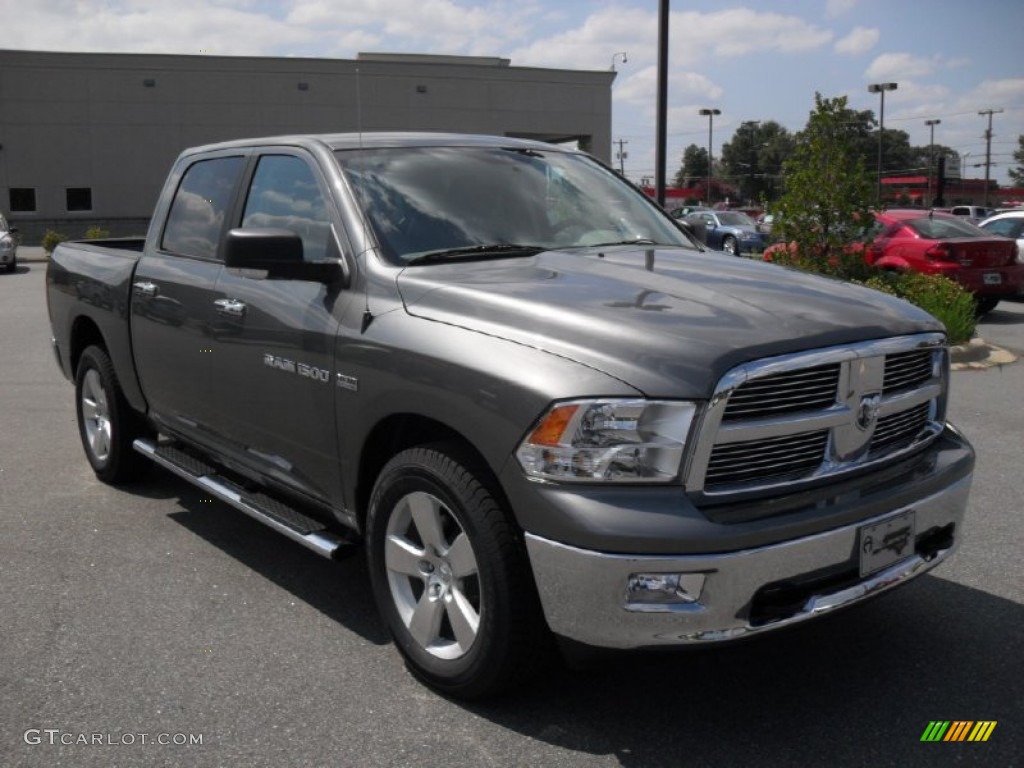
959 730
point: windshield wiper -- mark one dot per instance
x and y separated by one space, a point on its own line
501 250
638 241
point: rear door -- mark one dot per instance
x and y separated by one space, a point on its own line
174 291
275 337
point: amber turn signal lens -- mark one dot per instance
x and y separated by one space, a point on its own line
550 431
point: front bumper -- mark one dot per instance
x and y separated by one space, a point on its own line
584 593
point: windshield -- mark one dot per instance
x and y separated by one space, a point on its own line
942 228
428 201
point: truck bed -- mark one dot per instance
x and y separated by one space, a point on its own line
90 281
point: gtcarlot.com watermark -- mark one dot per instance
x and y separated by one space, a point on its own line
55 736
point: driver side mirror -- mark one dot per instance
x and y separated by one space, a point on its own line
279 253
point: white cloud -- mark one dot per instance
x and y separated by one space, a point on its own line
695 38
893 66
860 40
640 89
836 8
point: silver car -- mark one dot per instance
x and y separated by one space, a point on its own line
1008 224
8 245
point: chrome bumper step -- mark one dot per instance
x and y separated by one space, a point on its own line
284 519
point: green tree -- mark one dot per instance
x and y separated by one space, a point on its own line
753 159
1017 174
829 192
694 168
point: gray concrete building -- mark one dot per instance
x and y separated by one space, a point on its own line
86 139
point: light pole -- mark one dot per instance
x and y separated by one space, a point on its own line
615 56
711 119
881 88
931 155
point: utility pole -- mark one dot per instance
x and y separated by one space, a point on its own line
988 148
621 155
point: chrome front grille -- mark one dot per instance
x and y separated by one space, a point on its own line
907 369
770 458
801 417
782 393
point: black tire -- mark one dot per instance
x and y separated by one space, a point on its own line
442 552
985 304
729 245
12 266
106 423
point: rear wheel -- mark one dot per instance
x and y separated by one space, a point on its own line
106 423
450 574
985 304
729 245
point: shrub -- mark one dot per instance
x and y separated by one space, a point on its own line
947 300
51 239
96 233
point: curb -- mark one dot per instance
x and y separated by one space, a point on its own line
978 355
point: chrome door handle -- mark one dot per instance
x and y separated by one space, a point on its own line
230 307
146 288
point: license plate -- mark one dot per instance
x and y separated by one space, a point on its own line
886 542
993 278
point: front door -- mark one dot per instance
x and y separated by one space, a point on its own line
275 338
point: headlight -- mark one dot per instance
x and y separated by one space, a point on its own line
6 244
613 441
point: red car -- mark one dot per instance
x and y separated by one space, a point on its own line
934 243
989 266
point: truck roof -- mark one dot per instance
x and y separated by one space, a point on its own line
336 141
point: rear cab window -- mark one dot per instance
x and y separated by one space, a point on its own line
201 205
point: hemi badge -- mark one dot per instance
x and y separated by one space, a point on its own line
350 383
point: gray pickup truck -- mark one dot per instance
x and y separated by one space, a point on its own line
543 409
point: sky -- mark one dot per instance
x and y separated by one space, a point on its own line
752 60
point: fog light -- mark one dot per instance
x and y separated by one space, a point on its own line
651 590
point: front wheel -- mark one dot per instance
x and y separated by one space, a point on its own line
450 574
729 245
106 423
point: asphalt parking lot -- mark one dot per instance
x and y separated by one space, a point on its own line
152 613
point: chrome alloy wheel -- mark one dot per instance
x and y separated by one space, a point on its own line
433 576
96 416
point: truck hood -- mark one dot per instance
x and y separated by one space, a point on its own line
667 321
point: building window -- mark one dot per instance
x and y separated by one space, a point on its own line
23 200
79 198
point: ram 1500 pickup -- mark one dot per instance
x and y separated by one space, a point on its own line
542 408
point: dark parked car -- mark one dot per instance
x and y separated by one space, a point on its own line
729 231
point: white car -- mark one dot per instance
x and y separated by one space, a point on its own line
8 245
1008 224
973 213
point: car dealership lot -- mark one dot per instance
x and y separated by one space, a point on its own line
151 610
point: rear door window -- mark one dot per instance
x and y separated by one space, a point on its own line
196 220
